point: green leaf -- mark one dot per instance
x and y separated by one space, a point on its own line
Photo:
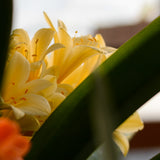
5 28
131 77
157 157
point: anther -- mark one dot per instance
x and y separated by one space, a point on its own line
23 98
36 41
26 91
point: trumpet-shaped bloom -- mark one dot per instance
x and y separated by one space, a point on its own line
20 97
13 146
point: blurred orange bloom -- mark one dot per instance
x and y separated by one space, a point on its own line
13 146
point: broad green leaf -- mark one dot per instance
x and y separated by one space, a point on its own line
5 28
157 157
131 77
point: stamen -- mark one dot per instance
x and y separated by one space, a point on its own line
36 41
26 53
34 55
76 32
18 47
14 102
23 98
81 40
94 39
26 91
13 83
62 92
90 39
13 98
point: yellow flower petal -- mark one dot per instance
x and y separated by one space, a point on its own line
132 124
17 112
54 47
81 53
51 71
35 66
16 74
35 86
61 54
40 43
52 88
109 50
20 42
33 104
49 21
62 25
122 141
55 100
100 40
74 79
64 37
20 35
29 123
64 89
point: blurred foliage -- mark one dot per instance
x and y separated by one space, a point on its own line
5 28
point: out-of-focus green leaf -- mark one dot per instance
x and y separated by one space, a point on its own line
157 157
132 76
5 28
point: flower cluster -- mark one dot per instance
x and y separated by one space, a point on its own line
39 75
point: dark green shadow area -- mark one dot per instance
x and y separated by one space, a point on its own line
5 29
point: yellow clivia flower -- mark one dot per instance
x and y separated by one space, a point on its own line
20 98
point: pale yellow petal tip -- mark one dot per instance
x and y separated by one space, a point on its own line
132 124
17 112
48 21
121 141
62 25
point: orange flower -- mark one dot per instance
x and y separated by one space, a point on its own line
13 146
